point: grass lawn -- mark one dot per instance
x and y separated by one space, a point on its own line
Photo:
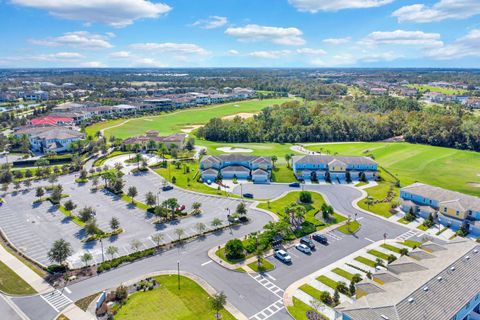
173 122
33 267
441 231
422 227
138 204
403 221
278 206
416 162
391 248
101 160
221 254
327 281
299 309
187 180
343 273
265 266
378 254
282 174
313 292
380 192
448 91
411 243
350 228
366 261
167 302
11 283
360 183
85 302
69 214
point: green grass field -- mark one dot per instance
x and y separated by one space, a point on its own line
458 170
265 266
11 283
174 122
350 228
447 91
167 302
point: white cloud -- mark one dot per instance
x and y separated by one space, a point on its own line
275 54
402 37
50 57
211 23
383 56
116 13
311 52
78 39
348 59
110 34
59 56
337 41
169 47
135 60
93 64
314 6
233 52
442 10
120 55
466 46
277 35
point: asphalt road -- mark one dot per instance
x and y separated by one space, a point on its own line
242 290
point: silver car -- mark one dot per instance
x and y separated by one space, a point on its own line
303 248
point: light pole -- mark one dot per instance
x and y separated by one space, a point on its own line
178 274
103 256
158 198
228 219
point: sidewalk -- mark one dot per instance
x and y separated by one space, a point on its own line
39 284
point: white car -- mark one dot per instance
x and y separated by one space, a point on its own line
303 248
282 255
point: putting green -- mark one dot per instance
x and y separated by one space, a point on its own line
453 169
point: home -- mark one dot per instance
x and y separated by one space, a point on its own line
335 168
240 166
177 139
49 138
449 208
53 121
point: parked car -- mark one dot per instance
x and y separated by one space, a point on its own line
283 256
167 188
303 248
294 185
209 182
320 238
308 242
181 208
248 195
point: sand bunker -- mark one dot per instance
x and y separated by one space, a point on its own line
232 150
242 115
474 184
189 129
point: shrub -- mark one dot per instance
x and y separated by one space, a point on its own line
54 268
234 249
305 197
342 288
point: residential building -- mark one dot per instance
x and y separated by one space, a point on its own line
49 138
37 95
378 91
177 139
240 166
319 167
434 282
53 121
449 208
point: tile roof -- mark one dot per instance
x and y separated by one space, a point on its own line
326 159
50 132
234 157
260 172
235 169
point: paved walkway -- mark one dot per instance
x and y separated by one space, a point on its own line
40 285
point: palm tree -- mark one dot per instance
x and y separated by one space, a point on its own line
172 204
274 159
287 158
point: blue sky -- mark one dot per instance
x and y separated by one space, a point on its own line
240 33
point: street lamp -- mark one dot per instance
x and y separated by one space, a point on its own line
228 219
158 198
178 273
103 256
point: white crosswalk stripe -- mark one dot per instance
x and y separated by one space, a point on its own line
333 236
269 311
267 284
407 235
57 300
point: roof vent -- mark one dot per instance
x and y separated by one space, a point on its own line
439 278
425 289
452 268
475 251
384 317
410 300
467 258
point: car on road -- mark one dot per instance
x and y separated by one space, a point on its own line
320 238
294 185
283 256
308 242
303 248
248 195
167 188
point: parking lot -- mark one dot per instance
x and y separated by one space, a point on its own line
33 228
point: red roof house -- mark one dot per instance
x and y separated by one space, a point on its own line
52 120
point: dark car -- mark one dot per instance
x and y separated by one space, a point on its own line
308 242
248 195
320 238
167 188
294 185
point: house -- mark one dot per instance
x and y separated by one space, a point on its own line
177 139
37 95
49 138
320 167
434 282
378 91
240 166
53 121
449 208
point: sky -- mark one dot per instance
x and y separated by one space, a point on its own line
240 33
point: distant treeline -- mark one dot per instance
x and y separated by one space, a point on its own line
371 119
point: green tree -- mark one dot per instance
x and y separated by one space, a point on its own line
135 245
60 251
234 249
157 238
218 302
179 232
69 205
112 251
91 227
150 199
305 197
172 204
86 214
196 208
132 193
216 222
56 194
86 258
327 211
241 209
200 227
114 223
39 192
274 159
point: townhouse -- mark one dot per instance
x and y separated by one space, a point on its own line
449 208
239 166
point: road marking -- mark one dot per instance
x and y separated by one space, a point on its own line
205 263
369 240
271 277
269 311
68 290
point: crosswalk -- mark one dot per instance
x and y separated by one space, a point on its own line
267 284
57 300
269 311
333 235
409 234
